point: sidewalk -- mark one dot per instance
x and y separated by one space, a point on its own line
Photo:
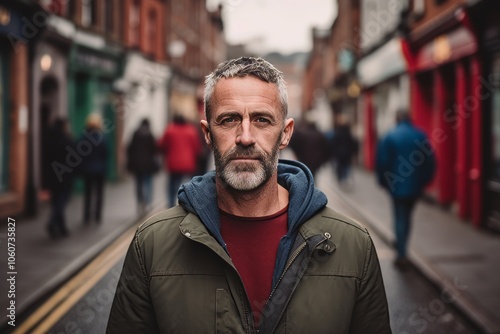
42 263
460 259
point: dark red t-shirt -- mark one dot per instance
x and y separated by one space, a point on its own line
252 244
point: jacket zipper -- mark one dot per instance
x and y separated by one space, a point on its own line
288 264
292 258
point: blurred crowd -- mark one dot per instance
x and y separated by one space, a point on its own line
180 150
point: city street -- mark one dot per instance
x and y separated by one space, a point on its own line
416 306
393 105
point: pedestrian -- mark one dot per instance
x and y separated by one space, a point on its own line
59 179
405 165
252 247
181 146
344 148
142 161
93 167
310 146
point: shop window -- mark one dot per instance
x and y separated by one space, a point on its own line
134 21
109 16
86 13
89 12
152 30
418 9
71 9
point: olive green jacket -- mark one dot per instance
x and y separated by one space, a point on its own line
178 279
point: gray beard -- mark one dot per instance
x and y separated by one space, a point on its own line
245 176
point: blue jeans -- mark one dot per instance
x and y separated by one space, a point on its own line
174 183
144 188
403 208
94 189
342 171
58 200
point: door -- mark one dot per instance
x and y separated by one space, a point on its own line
493 153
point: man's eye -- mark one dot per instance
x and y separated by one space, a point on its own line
262 120
228 120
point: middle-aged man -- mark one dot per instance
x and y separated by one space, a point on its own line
251 247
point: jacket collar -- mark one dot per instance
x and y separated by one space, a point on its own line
199 197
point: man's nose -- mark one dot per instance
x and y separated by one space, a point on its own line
245 136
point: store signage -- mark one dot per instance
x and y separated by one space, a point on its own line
95 62
386 62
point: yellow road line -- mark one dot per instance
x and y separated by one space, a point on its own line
77 287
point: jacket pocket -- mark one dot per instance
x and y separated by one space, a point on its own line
221 311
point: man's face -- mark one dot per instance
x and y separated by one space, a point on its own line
246 131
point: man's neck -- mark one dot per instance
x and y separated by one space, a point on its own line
264 201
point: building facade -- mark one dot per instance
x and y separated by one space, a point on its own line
441 61
20 25
196 45
71 58
381 72
442 51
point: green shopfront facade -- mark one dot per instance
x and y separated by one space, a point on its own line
90 90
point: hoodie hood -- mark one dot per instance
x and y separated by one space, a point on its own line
199 197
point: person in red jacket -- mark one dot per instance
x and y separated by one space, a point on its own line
181 146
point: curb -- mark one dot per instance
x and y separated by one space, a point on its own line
80 262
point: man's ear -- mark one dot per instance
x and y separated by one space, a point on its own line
287 133
206 132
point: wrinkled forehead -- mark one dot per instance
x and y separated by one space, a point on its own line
246 89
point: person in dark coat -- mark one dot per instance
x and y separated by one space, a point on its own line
93 167
310 146
405 165
143 163
59 177
344 149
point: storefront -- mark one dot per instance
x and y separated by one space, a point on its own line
486 17
92 73
342 94
385 89
144 85
493 149
183 98
49 93
447 102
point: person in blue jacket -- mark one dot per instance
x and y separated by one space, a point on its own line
405 165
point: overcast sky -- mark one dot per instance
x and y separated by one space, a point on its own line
281 25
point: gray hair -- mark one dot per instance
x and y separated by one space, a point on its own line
241 67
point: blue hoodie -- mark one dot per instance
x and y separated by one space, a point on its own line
199 197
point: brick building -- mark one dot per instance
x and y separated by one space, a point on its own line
197 46
20 24
117 58
331 66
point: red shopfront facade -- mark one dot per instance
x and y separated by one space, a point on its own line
446 101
